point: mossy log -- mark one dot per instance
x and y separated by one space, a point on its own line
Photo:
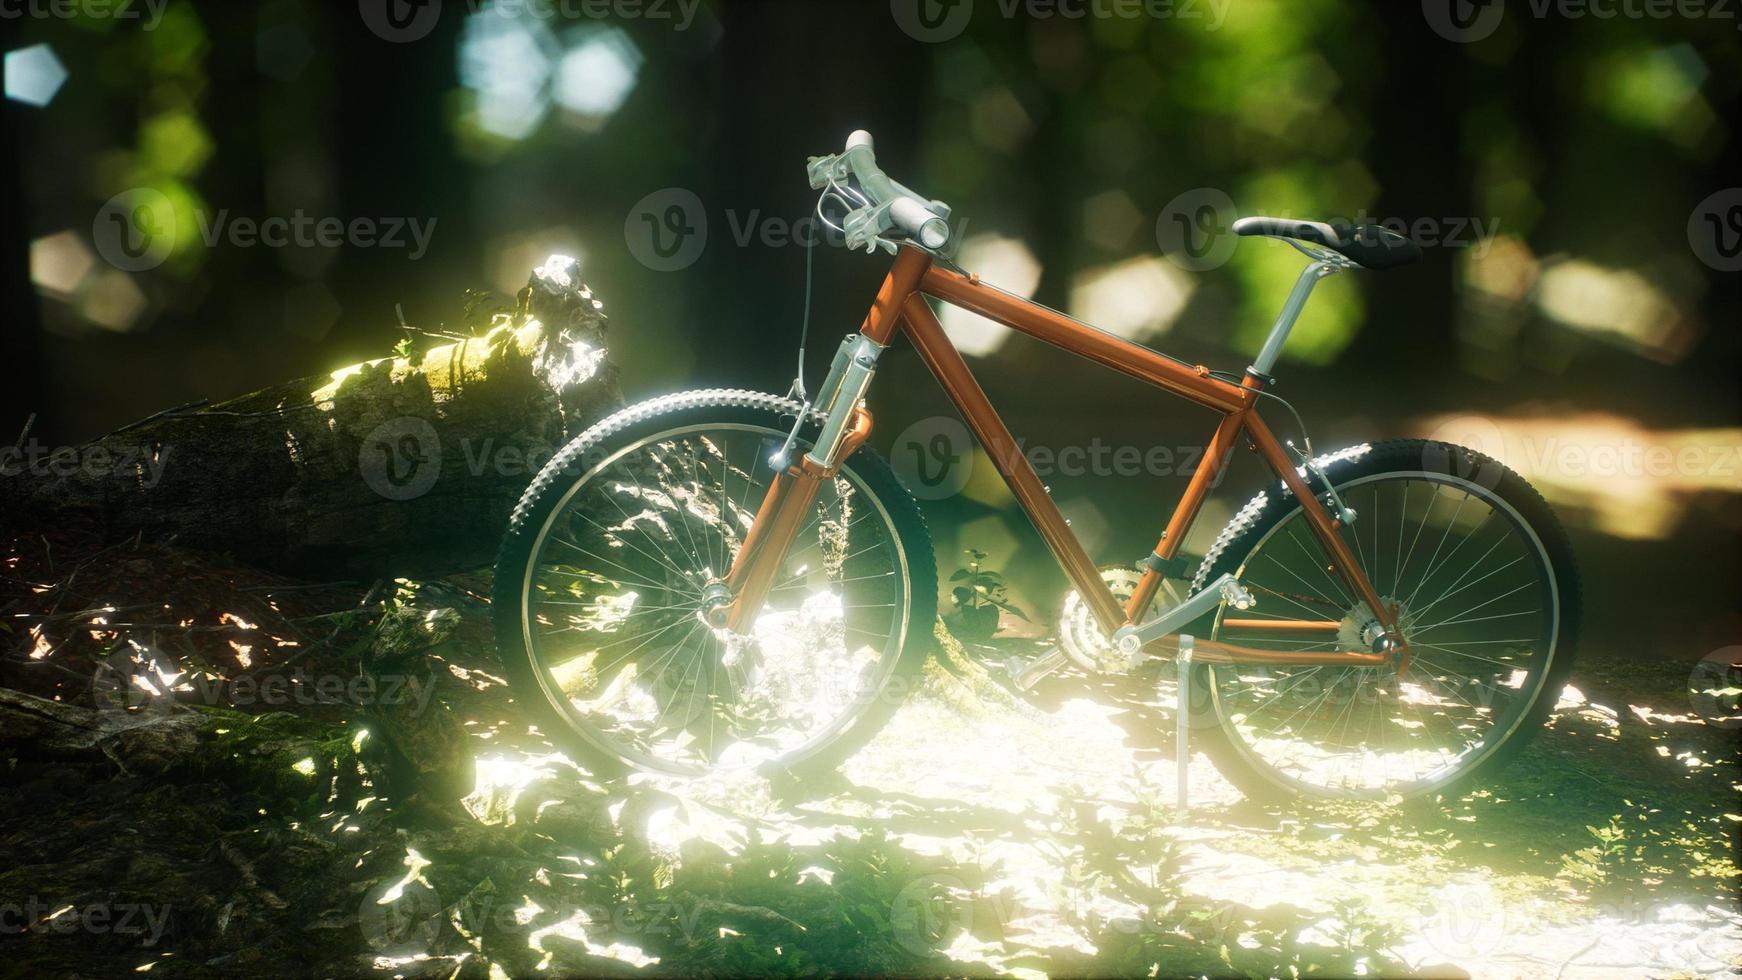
406 465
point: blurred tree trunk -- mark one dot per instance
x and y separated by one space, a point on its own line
22 394
1417 159
400 466
400 165
782 96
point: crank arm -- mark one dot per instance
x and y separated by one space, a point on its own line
1132 639
1041 668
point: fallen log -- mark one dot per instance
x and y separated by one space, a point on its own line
403 466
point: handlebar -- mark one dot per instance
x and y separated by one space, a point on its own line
891 206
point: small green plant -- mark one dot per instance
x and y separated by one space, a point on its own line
978 597
1606 860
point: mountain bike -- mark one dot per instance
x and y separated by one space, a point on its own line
725 579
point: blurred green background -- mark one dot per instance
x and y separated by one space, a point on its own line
1574 176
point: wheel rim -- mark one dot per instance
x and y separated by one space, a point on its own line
612 607
1478 606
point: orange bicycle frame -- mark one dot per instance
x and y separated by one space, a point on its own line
901 308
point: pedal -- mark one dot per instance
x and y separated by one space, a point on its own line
1237 595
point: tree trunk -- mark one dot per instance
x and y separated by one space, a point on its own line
405 465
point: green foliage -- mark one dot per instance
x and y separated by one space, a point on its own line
978 599
1639 845
1136 860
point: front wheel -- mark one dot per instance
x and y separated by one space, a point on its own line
1487 599
599 607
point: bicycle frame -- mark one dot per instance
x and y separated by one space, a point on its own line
901 308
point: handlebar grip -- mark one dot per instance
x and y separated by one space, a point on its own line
919 222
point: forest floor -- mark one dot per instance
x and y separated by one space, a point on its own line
980 833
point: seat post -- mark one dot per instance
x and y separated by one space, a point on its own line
1297 299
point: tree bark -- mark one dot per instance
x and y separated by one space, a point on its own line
407 465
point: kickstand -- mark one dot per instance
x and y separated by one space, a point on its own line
1183 723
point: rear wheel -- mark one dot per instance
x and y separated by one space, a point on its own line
1487 600
600 609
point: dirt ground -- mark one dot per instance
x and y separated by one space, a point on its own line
980 833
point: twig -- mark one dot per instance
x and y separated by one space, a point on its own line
368 597
196 403
249 878
56 668
299 587
1569 960
19 445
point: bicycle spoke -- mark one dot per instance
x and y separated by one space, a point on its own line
1433 719
658 685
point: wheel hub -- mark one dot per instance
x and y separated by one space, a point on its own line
716 604
1361 630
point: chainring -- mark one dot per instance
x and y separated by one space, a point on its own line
1080 637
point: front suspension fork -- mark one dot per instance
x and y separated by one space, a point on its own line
846 426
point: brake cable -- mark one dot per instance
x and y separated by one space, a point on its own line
1308 459
845 195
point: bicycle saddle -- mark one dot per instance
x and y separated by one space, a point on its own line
1369 246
